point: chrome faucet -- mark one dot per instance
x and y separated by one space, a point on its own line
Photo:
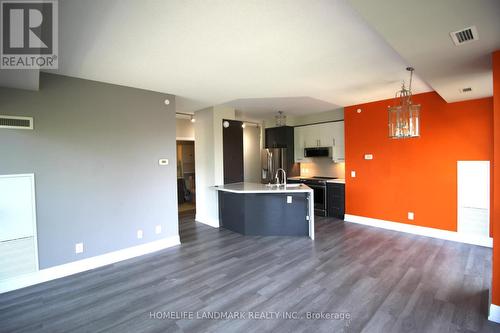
277 178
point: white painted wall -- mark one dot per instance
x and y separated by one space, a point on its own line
204 166
220 112
184 129
251 154
209 168
322 167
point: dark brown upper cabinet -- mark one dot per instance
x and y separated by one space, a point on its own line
279 137
232 145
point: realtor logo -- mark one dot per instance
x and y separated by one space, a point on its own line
29 38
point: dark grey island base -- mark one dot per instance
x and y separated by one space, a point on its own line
245 209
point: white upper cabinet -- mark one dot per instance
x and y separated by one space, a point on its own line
320 135
299 144
310 139
324 134
338 149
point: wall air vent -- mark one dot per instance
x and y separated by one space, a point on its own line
16 122
464 36
466 90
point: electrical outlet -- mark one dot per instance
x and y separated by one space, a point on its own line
78 248
140 234
353 174
163 161
411 216
158 229
289 199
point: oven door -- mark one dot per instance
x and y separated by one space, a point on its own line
319 198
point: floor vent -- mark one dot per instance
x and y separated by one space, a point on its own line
464 36
16 122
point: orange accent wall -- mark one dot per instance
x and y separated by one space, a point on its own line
419 174
495 285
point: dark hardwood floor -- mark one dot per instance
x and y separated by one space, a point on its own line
386 281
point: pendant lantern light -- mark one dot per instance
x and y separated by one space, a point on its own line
404 116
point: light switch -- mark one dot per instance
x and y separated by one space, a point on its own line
163 161
158 229
411 216
79 248
368 157
140 234
288 199
353 174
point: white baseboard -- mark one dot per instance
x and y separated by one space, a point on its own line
494 313
74 267
422 231
208 221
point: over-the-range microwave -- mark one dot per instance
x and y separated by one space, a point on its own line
318 152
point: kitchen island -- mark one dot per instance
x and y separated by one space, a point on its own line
263 210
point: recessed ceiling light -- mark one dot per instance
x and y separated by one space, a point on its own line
167 102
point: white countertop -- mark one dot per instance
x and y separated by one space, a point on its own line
261 188
338 181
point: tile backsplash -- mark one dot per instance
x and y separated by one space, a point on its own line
323 167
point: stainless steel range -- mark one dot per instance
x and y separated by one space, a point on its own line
318 184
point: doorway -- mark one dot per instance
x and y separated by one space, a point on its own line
18 236
186 185
473 199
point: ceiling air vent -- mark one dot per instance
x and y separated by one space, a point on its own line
16 122
466 90
464 36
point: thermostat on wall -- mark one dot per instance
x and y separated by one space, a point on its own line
368 157
163 161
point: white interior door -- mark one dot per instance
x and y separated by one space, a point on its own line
473 198
17 216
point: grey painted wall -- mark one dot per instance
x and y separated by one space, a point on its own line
94 152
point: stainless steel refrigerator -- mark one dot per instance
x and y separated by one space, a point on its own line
271 160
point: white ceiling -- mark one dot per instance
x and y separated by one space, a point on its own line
27 79
258 108
213 52
419 31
